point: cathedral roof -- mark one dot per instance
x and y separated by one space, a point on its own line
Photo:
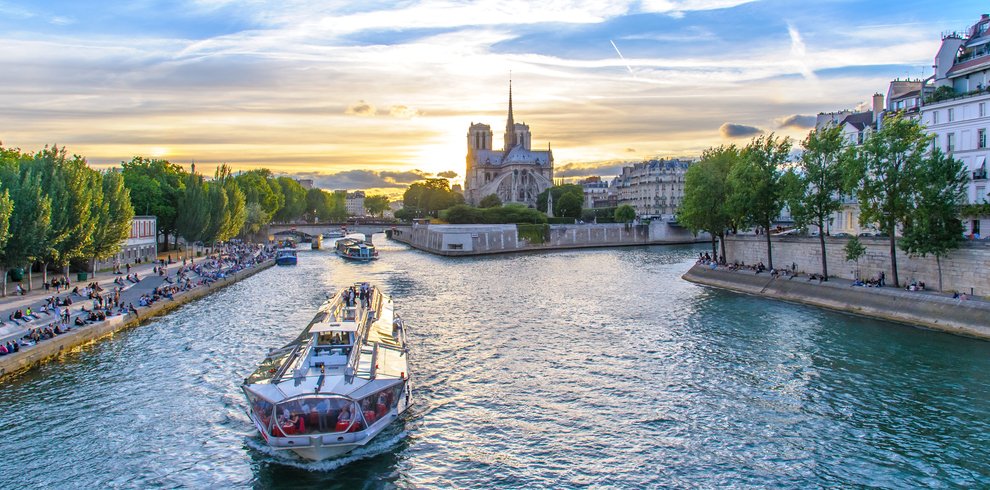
522 155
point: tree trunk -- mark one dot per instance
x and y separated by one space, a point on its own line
938 262
30 277
821 238
3 291
893 257
721 238
44 271
714 250
766 231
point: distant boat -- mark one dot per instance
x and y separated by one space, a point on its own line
285 256
339 384
352 248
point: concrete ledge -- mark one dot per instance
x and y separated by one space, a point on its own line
967 318
50 349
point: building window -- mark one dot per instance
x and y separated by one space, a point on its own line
952 115
859 138
983 109
981 138
934 117
950 142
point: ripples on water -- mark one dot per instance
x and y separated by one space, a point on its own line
587 368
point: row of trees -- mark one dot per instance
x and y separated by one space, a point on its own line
902 182
55 209
201 210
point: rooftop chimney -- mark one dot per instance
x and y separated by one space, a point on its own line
877 107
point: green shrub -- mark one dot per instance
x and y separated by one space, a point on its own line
533 233
560 221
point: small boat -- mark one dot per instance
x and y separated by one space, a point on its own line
285 256
339 384
356 249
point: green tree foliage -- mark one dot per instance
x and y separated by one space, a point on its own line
569 205
625 214
193 216
254 218
429 197
336 209
757 195
376 204
219 213
932 225
317 203
259 187
706 193
68 183
558 192
30 216
236 211
510 213
113 213
820 182
887 165
294 197
490 201
155 187
854 250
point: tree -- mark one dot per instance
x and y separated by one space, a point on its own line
821 182
259 187
29 218
887 166
376 204
932 224
113 213
254 218
706 193
569 206
155 186
558 192
490 201
219 213
756 196
336 209
429 197
193 216
854 251
67 183
625 214
236 210
317 203
294 200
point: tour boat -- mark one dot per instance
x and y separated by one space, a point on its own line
355 249
285 256
337 385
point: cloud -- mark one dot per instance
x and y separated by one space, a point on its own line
447 174
607 169
363 179
630 150
799 53
362 108
403 112
733 130
796 121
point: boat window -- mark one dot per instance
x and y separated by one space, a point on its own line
377 405
262 409
316 415
335 338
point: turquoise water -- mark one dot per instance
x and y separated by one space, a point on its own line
588 368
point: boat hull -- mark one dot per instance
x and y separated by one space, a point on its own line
285 261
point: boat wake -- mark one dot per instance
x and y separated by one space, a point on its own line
375 448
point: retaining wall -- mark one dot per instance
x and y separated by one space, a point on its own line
965 268
454 240
31 356
961 317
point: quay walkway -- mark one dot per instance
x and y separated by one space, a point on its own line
31 353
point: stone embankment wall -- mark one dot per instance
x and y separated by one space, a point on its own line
81 336
966 268
494 239
969 318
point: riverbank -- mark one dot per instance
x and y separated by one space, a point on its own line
969 318
47 350
473 240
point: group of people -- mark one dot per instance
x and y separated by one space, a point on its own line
878 282
354 294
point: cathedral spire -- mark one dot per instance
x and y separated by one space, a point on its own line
510 124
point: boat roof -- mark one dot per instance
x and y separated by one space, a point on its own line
333 327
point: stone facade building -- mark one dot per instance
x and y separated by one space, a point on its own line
655 188
516 173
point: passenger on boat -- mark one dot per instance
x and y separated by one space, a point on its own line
344 420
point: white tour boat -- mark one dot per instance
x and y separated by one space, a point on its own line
339 384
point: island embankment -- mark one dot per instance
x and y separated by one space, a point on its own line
469 240
79 337
970 318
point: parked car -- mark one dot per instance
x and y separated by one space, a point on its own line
842 235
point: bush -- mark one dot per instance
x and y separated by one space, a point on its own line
625 214
534 233
462 214
510 213
560 221
490 201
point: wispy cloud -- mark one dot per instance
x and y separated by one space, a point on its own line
733 130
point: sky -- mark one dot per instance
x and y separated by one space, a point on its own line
375 95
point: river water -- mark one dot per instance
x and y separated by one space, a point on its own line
583 368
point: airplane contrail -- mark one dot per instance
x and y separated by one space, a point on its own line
623 58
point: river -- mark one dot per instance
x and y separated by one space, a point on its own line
581 368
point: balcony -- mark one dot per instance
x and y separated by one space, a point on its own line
980 174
